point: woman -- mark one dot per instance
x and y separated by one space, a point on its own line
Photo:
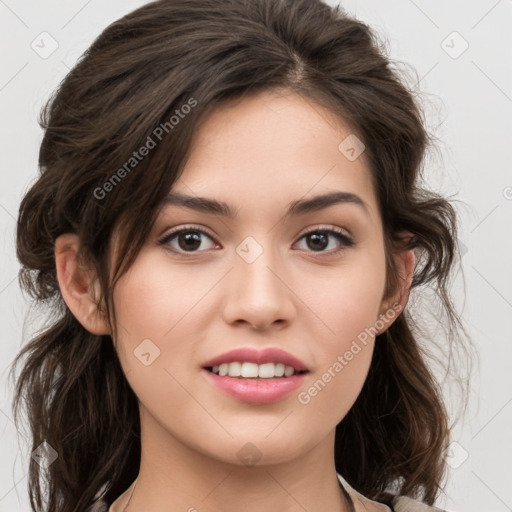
227 228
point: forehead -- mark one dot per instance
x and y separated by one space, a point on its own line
274 147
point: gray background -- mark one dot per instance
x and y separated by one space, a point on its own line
469 91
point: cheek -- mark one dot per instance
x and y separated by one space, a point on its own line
346 298
155 305
342 360
156 331
331 392
153 297
346 301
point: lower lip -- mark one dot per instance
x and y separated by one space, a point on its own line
256 391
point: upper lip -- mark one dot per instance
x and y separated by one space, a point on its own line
251 355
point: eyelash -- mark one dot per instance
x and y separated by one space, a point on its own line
345 240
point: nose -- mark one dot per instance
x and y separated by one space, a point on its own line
257 294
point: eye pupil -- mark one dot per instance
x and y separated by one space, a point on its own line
319 239
189 240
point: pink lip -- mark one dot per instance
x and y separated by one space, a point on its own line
256 391
250 355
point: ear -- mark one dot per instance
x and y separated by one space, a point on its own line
392 306
79 285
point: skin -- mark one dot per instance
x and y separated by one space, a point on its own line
258 155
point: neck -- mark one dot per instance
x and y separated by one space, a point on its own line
173 477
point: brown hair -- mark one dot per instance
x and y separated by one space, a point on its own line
138 73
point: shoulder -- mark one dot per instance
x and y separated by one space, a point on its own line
405 504
399 503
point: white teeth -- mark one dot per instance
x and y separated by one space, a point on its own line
253 370
235 369
279 370
266 371
248 370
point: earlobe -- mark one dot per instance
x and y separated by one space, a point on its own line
79 285
405 262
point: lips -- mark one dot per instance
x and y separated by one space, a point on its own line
250 355
267 385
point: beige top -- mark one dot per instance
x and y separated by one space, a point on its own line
361 504
399 504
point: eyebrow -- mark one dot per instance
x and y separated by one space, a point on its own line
299 207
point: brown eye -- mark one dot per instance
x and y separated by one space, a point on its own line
319 240
186 240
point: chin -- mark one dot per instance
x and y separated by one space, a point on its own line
260 450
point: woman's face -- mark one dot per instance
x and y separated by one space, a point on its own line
254 281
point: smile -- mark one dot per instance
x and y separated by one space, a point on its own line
255 376
249 370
